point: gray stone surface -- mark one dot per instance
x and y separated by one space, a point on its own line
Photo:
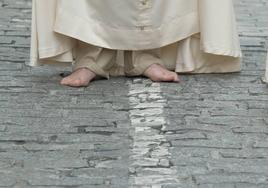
209 131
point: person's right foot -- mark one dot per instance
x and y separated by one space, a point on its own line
79 78
159 73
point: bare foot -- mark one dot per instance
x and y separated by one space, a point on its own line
80 77
159 73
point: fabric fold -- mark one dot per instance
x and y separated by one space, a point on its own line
200 36
218 28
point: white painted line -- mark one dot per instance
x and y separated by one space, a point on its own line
149 157
265 79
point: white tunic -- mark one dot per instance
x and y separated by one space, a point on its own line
198 27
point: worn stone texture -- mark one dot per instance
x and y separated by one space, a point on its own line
209 131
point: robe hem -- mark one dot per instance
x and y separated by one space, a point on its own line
220 50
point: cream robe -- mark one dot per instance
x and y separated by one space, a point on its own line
197 36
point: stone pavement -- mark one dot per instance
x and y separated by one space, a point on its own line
210 131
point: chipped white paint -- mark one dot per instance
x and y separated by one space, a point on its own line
265 79
150 157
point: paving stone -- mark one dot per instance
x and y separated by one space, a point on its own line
210 131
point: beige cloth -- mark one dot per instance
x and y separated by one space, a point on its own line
103 61
195 36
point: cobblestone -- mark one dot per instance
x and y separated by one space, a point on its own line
210 131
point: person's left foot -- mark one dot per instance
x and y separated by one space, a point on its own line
79 78
159 73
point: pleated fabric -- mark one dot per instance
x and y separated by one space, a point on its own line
195 36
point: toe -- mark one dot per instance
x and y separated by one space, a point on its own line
79 82
75 83
176 78
70 82
168 77
171 76
64 81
